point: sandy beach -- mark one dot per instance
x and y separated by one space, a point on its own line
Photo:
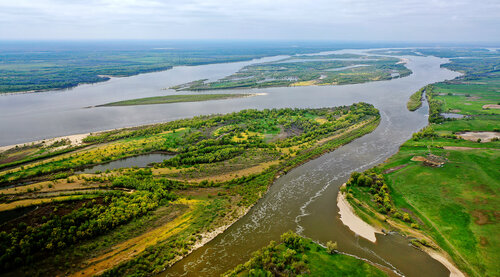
75 140
353 222
365 230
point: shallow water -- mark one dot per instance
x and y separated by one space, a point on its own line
136 161
452 115
303 200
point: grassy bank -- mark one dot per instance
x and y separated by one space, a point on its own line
223 164
174 99
442 189
298 256
415 100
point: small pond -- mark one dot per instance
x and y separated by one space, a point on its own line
138 161
452 115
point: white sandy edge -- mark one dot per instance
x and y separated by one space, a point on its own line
75 140
403 61
208 236
365 230
353 222
454 271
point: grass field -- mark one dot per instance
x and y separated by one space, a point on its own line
415 101
297 256
454 206
173 99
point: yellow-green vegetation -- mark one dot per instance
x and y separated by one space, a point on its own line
174 99
141 220
415 101
298 256
306 71
440 188
34 151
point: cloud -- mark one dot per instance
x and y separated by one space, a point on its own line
425 20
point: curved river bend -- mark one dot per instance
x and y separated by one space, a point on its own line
303 200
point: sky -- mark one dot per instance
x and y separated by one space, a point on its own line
338 20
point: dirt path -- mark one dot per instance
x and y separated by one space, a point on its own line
37 201
467 148
242 172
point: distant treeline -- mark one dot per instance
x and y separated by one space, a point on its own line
33 69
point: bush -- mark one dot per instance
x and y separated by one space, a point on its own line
331 247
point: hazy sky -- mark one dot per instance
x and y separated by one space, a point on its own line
362 20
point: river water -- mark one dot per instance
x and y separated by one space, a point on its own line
303 200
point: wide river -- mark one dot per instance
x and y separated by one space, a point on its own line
303 200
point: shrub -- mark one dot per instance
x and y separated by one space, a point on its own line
331 247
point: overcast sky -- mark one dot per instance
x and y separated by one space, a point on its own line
345 20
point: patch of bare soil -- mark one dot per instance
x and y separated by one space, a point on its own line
481 217
201 191
430 160
392 169
491 106
474 136
483 241
465 148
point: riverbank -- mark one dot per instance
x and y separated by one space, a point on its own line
441 189
354 222
74 140
296 256
206 147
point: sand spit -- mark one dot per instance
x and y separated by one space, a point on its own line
74 139
365 230
353 222
454 271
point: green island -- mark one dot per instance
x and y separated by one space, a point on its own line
70 64
308 70
441 188
298 256
415 100
140 221
174 99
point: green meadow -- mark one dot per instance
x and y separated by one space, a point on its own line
455 206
